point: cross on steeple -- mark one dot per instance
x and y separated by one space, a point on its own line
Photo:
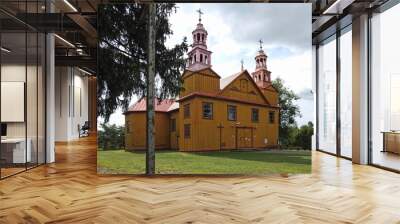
200 13
261 42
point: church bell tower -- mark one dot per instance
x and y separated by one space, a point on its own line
199 56
261 75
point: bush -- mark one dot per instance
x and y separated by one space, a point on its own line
111 137
304 135
298 138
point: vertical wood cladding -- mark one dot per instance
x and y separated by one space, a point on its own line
214 131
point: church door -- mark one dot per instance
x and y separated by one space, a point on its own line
244 138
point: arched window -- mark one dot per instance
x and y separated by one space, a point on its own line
198 37
201 57
202 37
259 77
205 59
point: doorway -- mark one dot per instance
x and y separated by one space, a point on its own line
244 137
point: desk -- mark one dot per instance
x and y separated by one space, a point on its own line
13 150
391 141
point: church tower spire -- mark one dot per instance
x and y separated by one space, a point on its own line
261 75
199 56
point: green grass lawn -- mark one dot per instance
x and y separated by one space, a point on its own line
173 162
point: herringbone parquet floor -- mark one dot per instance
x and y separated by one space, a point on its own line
70 191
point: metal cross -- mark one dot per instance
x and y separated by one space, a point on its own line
261 42
200 13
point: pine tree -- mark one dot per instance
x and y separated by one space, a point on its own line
123 59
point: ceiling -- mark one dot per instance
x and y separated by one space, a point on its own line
74 22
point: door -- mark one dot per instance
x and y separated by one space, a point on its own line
244 138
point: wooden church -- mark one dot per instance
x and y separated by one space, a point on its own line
240 111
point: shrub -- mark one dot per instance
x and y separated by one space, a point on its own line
111 137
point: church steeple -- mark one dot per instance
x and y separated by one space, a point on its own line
261 75
199 56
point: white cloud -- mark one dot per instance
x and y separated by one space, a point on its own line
295 70
234 31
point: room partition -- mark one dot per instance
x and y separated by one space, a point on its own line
22 88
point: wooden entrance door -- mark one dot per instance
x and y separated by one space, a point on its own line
244 138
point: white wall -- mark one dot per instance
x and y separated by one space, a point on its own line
33 126
71 102
16 73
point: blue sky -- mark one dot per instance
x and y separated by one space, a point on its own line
233 34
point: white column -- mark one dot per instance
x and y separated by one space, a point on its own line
314 89
50 110
50 93
360 89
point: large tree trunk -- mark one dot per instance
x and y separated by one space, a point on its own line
151 28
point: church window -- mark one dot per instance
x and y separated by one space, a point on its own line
186 111
198 37
202 37
231 113
186 130
254 115
207 110
259 77
195 59
271 116
201 57
205 59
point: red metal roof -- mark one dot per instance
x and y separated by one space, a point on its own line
160 105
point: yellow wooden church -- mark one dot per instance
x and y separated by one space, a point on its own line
240 111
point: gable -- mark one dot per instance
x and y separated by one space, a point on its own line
244 88
205 80
206 71
271 88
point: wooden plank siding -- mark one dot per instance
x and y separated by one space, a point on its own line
174 135
205 81
197 133
271 94
206 134
135 134
243 88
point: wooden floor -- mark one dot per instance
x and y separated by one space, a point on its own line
70 191
387 159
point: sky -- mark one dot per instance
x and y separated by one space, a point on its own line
234 31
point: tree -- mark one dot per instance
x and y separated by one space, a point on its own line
151 53
111 137
288 111
123 59
304 135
